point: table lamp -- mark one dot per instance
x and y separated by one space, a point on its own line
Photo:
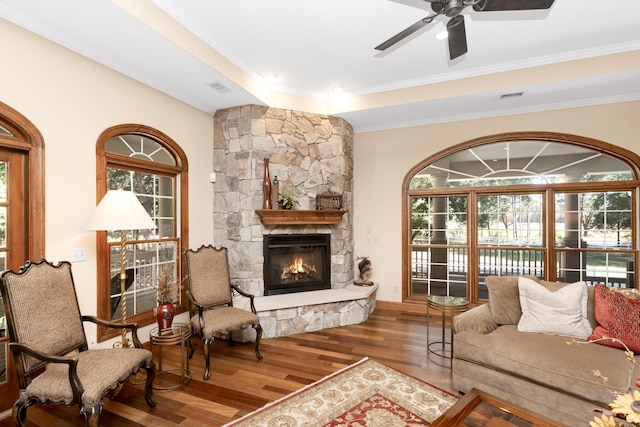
120 210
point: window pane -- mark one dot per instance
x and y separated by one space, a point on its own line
439 220
601 220
5 131
157 195
511 262
510 220
146 257
3 182
439 253
145 262
609 268
439 271
522 162
3 227
140 147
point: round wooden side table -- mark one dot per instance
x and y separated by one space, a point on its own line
177 334
447 306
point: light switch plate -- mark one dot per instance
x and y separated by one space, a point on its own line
78 254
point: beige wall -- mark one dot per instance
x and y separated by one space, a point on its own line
383 158
71 100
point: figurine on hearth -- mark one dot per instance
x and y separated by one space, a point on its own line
365 272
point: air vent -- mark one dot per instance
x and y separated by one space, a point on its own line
219 87
511 95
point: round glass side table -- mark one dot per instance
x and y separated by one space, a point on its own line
177 334
448 306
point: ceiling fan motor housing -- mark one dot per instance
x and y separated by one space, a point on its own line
450 8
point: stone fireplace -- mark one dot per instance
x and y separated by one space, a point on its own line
309 154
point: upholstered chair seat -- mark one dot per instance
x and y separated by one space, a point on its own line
210 293
223 320
99 371
49 345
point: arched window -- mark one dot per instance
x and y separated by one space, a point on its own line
21 214
150 164
556 206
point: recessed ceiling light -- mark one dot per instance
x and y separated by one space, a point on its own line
338 90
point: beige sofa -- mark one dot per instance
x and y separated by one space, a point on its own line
538 371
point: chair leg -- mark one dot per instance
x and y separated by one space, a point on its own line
258 329
92 414
206 344
148 387
19 411
191 347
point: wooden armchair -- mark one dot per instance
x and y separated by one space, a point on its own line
211 309
49 345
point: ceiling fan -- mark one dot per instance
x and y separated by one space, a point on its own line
455 27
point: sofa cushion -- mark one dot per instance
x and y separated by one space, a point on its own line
561 312
550 360
618 317
504 299
479 320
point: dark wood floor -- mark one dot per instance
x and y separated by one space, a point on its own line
240 383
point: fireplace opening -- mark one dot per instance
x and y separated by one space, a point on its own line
296 263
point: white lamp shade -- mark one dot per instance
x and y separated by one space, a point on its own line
120 210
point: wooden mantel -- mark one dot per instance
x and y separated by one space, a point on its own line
299 217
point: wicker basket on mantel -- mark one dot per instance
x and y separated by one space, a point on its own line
329 200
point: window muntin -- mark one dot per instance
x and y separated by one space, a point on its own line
439 236
149 251
510 220
523 162
145 262
439 220
152 166
140 147
594 237
600 219
508 231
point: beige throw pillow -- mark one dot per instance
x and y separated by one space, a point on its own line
560 312
504 298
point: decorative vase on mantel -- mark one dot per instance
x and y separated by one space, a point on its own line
266 186
165 315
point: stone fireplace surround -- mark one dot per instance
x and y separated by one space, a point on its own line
310 154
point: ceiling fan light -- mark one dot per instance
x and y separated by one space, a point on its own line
442 35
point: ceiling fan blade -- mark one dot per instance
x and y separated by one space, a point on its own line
496 5
406 32
457 37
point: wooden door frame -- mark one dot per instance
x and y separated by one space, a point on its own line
28 141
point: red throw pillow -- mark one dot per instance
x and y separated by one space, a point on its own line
618 317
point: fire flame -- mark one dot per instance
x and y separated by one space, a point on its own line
298 267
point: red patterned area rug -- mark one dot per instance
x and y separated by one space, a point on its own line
366 393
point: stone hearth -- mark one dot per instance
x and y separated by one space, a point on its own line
310 154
